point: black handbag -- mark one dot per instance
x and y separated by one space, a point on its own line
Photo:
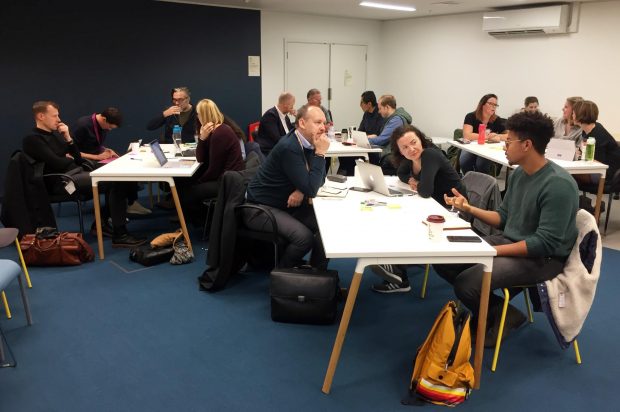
148 256
304 295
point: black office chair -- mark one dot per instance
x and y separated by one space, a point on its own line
611 186
57 183
270 236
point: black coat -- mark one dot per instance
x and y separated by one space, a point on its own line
26 205
224 259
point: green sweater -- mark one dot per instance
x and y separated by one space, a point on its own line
541 210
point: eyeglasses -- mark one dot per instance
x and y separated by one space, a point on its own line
180 100
493 104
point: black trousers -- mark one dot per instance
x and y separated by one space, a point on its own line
299 227
116 194
507 272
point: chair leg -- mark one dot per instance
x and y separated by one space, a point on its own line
498 342
275 255
208 219
21 259
610 198
7 309
424 282
528 305
577 354
79 206
22 290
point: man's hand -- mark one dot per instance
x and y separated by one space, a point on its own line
321 144
206 130
63 129
458 201
172 110
295 199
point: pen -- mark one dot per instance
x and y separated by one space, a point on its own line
134 158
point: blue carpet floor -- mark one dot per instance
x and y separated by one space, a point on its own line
114 336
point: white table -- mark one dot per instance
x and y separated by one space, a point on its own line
140 167
349 232
495 152
337 149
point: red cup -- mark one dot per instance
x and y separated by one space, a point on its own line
482 133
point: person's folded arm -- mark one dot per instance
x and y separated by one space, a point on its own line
384 138
306 181
156 122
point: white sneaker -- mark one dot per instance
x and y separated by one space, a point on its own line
137 209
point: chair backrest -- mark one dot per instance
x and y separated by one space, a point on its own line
482 192
458 134
251 128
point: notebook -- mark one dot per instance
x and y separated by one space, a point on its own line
372 177
560 149
164 162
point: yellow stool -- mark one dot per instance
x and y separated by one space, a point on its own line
530 315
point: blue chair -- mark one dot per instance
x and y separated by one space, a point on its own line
9 270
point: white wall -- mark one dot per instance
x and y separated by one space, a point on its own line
276 27
441 66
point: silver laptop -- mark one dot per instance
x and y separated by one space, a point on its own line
372 177
183 152
560 149
163 161
361 140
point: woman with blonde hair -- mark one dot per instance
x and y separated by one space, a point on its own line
564 126
218 150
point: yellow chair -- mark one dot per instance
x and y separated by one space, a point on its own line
530 316
8 235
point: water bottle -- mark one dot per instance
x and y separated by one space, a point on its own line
331 133
590 146
176 137
482 133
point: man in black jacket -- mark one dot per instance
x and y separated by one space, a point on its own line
52 144
181 113
275 123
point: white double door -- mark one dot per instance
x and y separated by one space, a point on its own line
337 70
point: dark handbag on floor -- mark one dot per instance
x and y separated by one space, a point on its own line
48 247
304 295
149 256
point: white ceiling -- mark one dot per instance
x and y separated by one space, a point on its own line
351 8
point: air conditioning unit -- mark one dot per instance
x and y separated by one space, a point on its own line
538 20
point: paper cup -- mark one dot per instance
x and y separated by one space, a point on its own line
435 227
135 148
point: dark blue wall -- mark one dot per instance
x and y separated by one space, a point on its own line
87 55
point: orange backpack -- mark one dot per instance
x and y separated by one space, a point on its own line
442 373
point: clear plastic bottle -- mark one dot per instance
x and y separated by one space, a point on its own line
590 147
176 137
331 133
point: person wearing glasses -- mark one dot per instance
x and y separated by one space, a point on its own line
484 114
181 113
426 170
537 217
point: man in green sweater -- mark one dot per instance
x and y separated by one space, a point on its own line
537 216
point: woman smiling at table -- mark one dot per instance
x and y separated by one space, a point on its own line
484 114
425 168
422 165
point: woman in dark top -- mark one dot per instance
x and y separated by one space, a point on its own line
218 150
607 151
425 168
422 165
484 114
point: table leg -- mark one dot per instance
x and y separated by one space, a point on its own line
177 204
482 324
599 197
342 331
98 220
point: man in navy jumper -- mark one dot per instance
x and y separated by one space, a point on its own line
285 183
